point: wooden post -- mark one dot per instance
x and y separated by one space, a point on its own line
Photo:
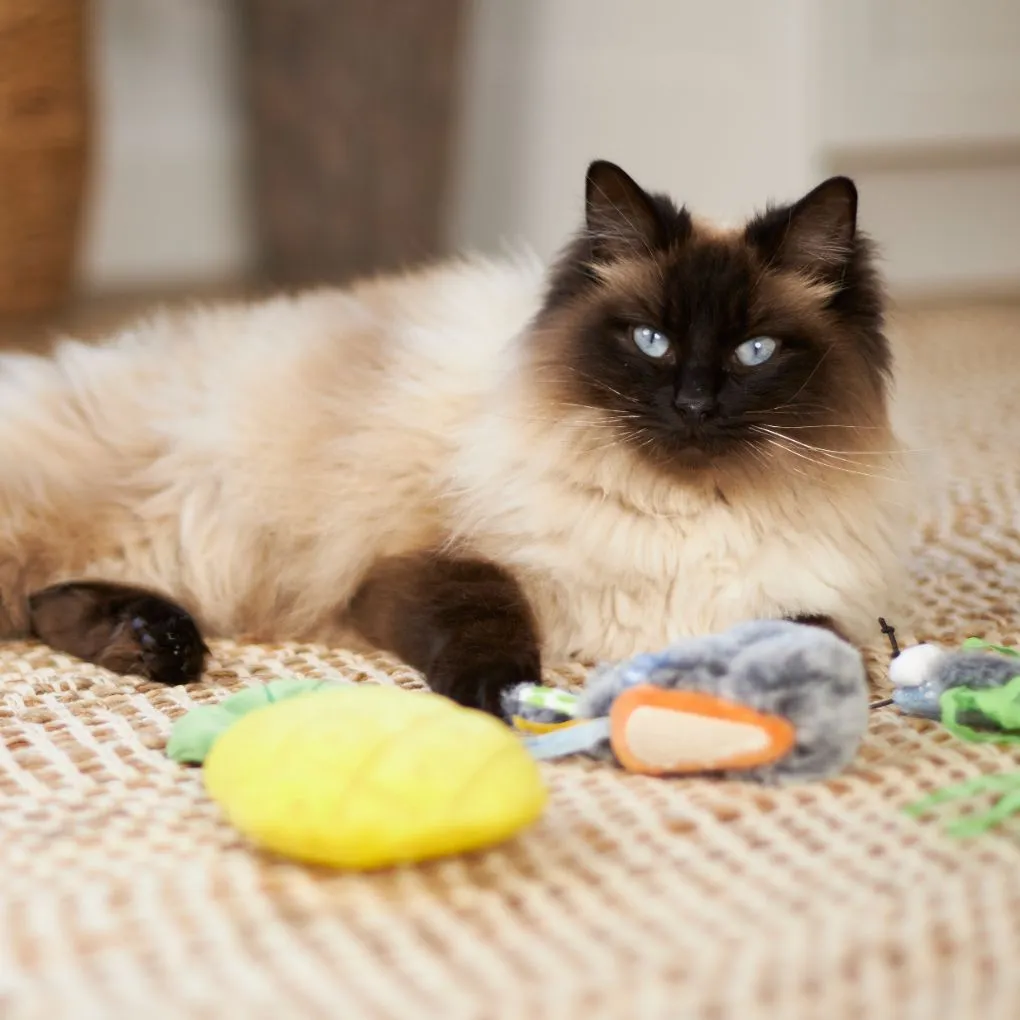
353 105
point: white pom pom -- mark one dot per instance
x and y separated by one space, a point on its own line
914 665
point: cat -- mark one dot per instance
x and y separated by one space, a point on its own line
478 466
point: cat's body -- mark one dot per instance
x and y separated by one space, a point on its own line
263 464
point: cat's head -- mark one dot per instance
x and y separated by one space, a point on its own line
699 348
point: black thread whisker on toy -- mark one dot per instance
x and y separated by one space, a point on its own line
890 632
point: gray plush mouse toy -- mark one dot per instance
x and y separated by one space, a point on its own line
769 700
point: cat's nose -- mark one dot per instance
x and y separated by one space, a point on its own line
693 407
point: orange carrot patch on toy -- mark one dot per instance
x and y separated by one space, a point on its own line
658 732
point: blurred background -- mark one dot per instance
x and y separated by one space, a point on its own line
152 148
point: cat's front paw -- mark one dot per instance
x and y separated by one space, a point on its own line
169 646
481 683
123 629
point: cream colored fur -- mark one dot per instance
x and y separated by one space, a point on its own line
253 462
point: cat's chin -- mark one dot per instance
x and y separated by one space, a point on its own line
693 463
695 455
692 457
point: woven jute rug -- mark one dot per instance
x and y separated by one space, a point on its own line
124 895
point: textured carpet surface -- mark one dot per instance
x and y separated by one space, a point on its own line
124 895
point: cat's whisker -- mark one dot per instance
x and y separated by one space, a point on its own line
797 410
828 464
560 422
800 405
594 381
828 456
600 417
765 463
856 428
602 412
816 480
647 443
615 442
606 388
846 455
811 375
861 427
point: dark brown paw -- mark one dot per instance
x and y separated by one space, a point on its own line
481 684
825 622
126 630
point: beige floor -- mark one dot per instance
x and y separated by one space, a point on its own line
123 894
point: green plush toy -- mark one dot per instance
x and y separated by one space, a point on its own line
194 734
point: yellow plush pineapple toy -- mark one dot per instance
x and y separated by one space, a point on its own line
361 775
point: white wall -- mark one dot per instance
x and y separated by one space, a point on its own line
709 101
730 103
922 108
168 177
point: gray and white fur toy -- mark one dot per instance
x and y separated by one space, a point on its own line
805 674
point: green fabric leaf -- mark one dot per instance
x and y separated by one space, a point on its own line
1000 706
975 644
976 825
1006 785
194 734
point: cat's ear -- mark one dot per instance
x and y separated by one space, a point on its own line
815 234
621 217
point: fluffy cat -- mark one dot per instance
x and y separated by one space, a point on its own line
478 466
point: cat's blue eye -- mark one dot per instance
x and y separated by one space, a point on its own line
650 342
756 352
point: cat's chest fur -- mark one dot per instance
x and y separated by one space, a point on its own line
609 577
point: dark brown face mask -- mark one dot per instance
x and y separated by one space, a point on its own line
707 346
